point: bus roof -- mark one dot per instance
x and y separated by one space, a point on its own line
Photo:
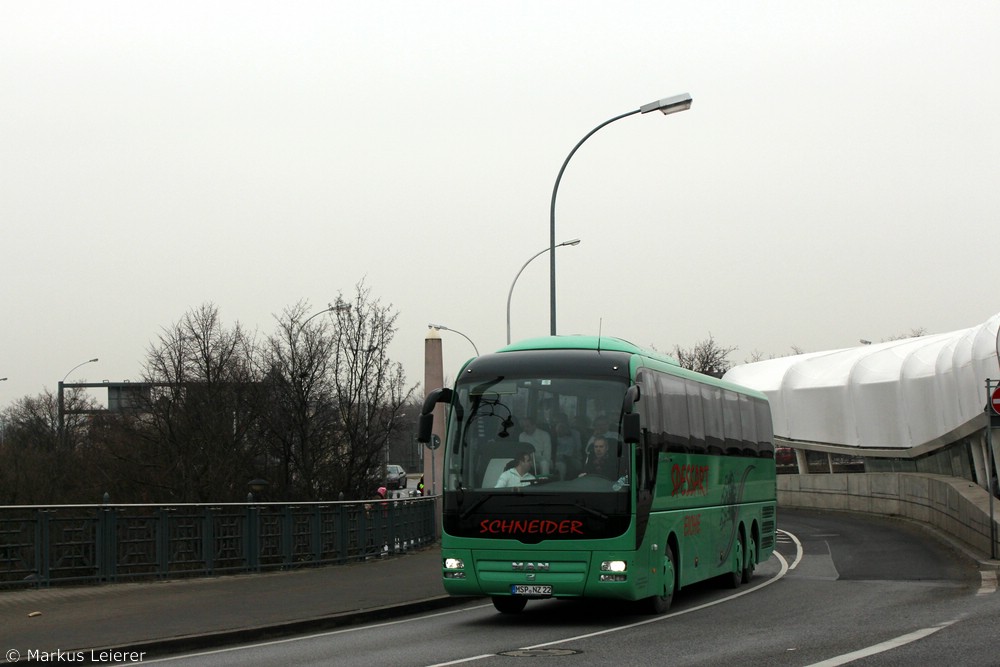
611 344
576 342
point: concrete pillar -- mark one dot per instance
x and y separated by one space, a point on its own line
801 462
434 379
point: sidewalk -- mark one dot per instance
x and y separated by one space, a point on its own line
157 617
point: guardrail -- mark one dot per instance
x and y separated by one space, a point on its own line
42 546
953 505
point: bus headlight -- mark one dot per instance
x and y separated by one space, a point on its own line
452 564
613 566
613 570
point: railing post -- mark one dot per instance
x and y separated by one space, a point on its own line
208 539
316 533
287 537
162 547
252 541
343 532
105 544
42 547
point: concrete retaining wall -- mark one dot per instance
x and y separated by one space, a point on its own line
955 506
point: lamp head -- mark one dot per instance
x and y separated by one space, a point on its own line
668 105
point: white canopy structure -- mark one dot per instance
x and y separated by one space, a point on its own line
901 398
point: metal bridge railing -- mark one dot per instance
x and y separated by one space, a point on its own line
47 545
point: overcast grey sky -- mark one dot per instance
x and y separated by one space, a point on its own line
836 178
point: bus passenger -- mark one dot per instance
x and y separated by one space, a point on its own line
541 442
569 448
599 462
518 474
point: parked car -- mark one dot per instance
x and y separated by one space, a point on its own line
784 456
395 477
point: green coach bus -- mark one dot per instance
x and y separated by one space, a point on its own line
685 489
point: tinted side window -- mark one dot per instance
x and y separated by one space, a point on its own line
715 434
765 429
673 395
696 416
649 404
731 422
749 422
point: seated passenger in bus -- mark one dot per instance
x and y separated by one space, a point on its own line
519 474
600 462
601 429
568 448
541 442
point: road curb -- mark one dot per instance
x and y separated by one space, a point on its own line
214 640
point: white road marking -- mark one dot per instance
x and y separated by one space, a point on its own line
879 648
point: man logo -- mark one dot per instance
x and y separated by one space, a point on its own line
518 566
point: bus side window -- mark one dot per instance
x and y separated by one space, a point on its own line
649 406
711 403
673 398
696 417
732 423
749 421
765 433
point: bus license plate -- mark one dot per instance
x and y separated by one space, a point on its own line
530 589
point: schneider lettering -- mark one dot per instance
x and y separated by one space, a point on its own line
530 527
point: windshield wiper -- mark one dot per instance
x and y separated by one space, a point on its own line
591 510
588 510
475 505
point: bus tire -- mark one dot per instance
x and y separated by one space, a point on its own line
750 561
734 577
506 604
659 604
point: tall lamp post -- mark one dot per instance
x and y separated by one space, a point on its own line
444 328
667 105
62 404
338 307
511 292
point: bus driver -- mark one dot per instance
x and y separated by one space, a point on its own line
517 475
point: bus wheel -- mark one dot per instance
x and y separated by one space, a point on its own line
750 563
509 605
735 576
659 604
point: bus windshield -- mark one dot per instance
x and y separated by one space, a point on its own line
517 434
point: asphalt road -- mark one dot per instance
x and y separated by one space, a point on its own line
843 589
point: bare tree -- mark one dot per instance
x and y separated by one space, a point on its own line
300 419
203 415
38 465
370 391
706 357
916 332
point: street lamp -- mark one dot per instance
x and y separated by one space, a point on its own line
88 361
444 328
667 105
339 307
511 292
62 404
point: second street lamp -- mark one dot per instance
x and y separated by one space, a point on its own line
511 292
61 400
444 328
666 106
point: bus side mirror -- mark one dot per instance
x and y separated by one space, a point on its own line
631 430
424 428
426 422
